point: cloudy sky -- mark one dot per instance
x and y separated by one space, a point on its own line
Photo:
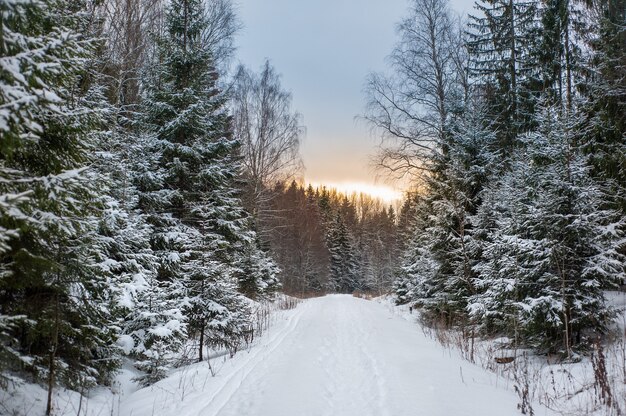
324 50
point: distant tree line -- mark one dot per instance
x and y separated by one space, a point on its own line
511 125
327 241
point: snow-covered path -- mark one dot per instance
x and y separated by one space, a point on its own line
334 356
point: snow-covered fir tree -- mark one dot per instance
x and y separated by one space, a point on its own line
257 273
416 280
503 40
438 263
187 186
552 249
53 300
344 267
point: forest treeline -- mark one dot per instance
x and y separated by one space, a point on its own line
510 122
327 241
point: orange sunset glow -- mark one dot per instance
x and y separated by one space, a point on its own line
386 194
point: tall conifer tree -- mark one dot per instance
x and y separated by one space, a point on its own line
55 322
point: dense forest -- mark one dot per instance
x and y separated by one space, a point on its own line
326 241
122 229
151 194
512 125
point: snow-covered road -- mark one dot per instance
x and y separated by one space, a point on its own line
333 356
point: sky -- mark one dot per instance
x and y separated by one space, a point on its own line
324 50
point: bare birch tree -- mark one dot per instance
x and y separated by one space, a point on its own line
219 35
128 28
125 29
411 107
270 132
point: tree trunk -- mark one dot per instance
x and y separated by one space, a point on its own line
52 356
200 357
513 63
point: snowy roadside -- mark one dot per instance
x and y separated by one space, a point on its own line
594 386
210 378
125 397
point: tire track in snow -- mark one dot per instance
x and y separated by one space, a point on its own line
376 373
324 358
339 356
222 396
353 379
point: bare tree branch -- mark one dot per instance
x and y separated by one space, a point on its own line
411 108
270 133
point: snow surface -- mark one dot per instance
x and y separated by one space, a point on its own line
335 356
617 299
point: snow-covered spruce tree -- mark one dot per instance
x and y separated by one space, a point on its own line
344 267
604 123
120 240
493 307
502 43
149 318
52 298
416 281
257 273
188 187
229 253
552 249
229 229
228 260
442 253
436 263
